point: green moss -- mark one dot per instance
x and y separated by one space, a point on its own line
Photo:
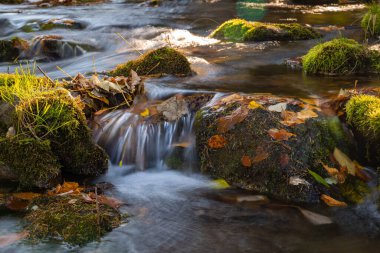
32 161
371 20
242 30
164 60
8 52
363 112
354 190
70 219
338 56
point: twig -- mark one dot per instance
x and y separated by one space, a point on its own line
43 72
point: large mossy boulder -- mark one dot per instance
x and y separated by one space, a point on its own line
164 60
242 30
272 145
341 57
371 20
363 114
71 219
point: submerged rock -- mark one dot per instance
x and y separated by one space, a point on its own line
272 145
242 30
51 24
71 219
341 57
161 61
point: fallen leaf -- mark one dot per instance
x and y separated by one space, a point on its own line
298 181
8 239
278 107
315 218
145 113
253 199
220 184
318 178
280 134
217 141
339 175
26 195
332 202
16 204
105 200
290 118
345 161
260 155
184 144
253 105
228 122
246 161
306 114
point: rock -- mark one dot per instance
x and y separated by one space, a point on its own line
6 27
11 49
71 218
51 24
7 113
12 1
238 139
341 57
55 47
173 108
242 30
161 61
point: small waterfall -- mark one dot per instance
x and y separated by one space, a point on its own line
130 139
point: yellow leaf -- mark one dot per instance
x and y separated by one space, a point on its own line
145 113
253 105
344 161
220 184
306 114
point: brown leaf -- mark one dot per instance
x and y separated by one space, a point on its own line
306 114
280 134
8 239
339 175
26 195
217 141
228 122
105 200
16 204
332 202
290 118
246 161
345 161
284 160
260 155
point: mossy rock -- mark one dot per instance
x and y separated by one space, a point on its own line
363 113
371 20
32 162
164 60
8 50
270 165
71 219
61 120
341 57
242 30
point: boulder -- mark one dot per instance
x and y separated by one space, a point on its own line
243 30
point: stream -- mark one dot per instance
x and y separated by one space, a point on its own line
180 210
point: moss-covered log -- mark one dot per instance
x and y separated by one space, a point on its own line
164 60
242 30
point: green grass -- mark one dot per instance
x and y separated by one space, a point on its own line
371 20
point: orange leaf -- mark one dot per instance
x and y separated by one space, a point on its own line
332 202
246 161
306 114
280 135
290 118
260 155
227 122
217 141
26 195
340 175
16 204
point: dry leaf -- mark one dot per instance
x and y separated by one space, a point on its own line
339 175
280 134
228 122
184 144
26 195
298 181
278 107
8 239
16 204
290 118
246 161
345 161
260 155
332 202
145 113
108 201
315 218
306 114
217 141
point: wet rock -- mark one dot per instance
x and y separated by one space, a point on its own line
53 24
161 61
341 57
6 27
10 49
247 142
55 48
12 1
72 219
242 30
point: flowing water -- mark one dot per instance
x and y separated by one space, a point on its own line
179 210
